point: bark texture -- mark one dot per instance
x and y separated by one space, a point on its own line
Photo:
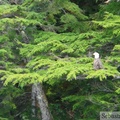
39 95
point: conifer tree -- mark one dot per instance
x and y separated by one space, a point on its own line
52 42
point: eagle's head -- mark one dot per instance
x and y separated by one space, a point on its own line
96 55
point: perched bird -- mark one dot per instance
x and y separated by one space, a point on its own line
107 1
97 64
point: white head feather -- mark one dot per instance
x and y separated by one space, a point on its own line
96 55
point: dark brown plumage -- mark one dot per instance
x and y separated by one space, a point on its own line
97 64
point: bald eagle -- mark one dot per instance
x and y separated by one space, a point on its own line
97 64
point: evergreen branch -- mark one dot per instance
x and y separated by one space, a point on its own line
55 57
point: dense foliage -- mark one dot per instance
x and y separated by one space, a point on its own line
52 42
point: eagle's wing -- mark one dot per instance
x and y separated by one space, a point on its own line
97 64
100 64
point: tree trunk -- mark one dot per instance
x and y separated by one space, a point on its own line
39 95
33 97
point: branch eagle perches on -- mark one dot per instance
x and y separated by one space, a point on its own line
97 64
